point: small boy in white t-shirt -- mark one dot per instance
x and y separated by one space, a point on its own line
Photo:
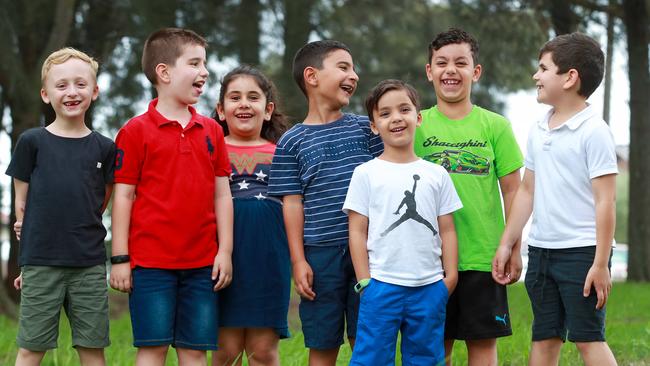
402 238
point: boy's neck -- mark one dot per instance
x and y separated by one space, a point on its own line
173 110
399 155
321 112
455 111
565 109
68 128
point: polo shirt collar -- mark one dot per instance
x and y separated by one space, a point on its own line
573 123
160 120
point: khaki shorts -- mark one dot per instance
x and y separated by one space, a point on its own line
82 292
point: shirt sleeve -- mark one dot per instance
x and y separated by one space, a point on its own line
601 152
109 163
358 196
448 201
221 162
284 177
507 155
23 160
530 149
129 155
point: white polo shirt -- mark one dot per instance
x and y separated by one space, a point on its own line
564 160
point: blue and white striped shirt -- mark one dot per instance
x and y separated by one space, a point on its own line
317 161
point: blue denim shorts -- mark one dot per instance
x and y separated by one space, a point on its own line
417 312
336 304
174 307
555 280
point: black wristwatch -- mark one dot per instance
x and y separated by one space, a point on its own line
117 259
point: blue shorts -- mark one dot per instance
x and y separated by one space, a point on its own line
336 304
174 307
555 280
417 312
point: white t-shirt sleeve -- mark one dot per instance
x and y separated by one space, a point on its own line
529 161
358 196
449 200
601 152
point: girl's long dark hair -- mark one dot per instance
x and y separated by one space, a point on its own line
271 129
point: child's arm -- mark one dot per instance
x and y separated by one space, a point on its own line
222 269
294 220
509 185
520 210
604 188
20 189
120 220
449 250
358 226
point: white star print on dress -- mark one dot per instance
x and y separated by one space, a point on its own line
260 196
243 185
261 175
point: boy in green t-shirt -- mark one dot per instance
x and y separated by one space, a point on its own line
479 150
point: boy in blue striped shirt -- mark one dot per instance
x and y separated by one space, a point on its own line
311 171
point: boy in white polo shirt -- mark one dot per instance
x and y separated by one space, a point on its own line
569 186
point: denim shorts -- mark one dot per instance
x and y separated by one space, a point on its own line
417 312
555 280
174 307
81 291
336 304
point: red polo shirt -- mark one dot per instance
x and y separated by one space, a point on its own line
173 223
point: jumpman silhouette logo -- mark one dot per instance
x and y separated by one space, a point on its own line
411 212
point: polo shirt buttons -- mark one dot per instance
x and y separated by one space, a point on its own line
182 135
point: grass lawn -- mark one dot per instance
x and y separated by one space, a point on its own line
628 334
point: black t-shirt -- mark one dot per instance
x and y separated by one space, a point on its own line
67 184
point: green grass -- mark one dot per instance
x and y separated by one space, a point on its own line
628 334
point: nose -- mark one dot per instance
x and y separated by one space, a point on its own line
353 75
204 71
72 90
536 75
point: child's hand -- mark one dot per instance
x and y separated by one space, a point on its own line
222 270
121 279
501 265
303 277
18 282
599 278
451 283
18 225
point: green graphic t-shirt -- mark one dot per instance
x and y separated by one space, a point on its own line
476 150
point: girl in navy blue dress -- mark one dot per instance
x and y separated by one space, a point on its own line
253 310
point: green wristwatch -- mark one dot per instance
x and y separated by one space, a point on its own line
361 285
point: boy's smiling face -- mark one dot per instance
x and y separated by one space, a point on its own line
336 80
187 76
452 72
550 84
395 119
70 87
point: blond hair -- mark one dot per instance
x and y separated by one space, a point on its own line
63 55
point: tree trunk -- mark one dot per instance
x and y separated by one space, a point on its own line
636 21
247 37
297 27
608 64
563 18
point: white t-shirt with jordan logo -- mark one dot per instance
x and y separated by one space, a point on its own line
402 202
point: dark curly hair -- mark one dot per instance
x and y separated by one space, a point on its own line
454 36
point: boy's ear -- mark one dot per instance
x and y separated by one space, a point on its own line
268 111
373 128
309 74
419 121
572 79
44 96
427 69
476 75
95 92
162 72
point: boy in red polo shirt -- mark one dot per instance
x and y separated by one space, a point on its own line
172 202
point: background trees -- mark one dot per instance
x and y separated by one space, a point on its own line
388 39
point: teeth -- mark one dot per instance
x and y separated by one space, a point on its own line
451 82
